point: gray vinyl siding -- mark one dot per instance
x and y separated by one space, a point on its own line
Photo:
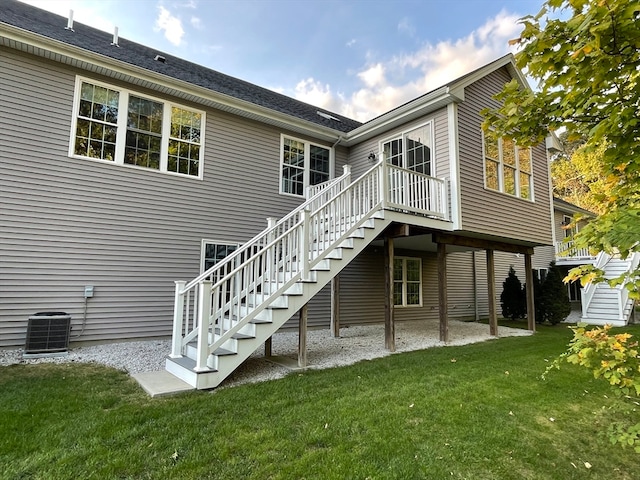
129 232
486 211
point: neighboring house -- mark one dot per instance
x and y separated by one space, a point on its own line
599 303
126 169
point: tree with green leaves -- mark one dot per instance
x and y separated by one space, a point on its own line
587 65
579 179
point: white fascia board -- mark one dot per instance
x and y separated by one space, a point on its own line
421 106
505 61
16 36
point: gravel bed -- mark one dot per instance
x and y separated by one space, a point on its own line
323 351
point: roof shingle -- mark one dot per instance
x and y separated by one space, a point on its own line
91 39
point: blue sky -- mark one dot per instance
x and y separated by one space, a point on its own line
359 58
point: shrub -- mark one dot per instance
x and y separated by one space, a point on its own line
554 301
513 298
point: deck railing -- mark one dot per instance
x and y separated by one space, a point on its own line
566 249
223 300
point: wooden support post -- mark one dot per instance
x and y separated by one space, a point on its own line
268 352
302 337
443 309
531 309
389 321
491 289
335 306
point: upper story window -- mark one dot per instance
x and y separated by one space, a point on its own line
126 128
507 167
303 164
412 150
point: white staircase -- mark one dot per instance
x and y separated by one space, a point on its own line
228 312
603 304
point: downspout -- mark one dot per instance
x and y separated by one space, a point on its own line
475 285
333 149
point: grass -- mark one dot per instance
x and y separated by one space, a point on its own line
476 412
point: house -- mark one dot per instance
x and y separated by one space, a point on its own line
600 304
148 196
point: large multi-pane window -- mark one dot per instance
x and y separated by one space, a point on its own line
407 281
303 164
412 150
507 167
126 128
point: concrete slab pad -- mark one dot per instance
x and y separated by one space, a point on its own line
287 362
161 383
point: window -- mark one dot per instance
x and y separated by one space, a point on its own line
303 164
412 150
125 128
507 167
213 252
407 281
569 229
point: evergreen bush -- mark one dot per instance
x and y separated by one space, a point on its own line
555 304
513 297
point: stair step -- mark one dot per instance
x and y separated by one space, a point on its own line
267 321
236 336
223 351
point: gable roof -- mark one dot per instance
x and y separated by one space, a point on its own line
52 26
566 207
42 33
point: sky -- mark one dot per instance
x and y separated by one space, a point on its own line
359 58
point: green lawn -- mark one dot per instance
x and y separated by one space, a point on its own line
472 412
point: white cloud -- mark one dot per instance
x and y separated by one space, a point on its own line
317 93
351 42
171 25
397 80
196 22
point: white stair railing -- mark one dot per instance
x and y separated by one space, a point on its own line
590 289
225 299
186 318
623 293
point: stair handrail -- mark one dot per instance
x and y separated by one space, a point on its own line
357 212
331 186
590 288
241 286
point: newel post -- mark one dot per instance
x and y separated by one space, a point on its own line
346 173
270 267
383 181
303 244
204 317
178 318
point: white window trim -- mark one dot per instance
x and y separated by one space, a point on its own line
203 245
402 136
501 172
122 127
404 282
307 168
